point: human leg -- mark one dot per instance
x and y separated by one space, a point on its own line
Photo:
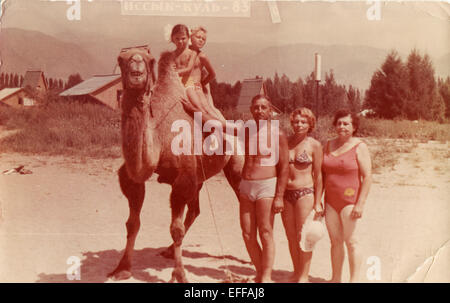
290 227
195 101
211 112
351 241
335 232
248 226
264 220
303 208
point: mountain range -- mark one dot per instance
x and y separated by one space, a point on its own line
65 53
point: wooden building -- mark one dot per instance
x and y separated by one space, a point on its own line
35 80
17 96
102 89
13 97
249 89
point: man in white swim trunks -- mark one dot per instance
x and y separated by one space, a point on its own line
262 188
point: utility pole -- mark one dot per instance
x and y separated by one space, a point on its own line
317 68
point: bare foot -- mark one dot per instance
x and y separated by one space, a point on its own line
296 278
265 279
304 280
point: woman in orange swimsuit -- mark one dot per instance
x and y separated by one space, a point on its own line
347 178
305 179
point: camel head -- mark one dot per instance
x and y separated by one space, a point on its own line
136 65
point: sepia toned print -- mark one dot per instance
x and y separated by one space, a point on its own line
110 174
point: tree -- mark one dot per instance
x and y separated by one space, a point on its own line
11 80
423 101
16 80
73 80
236 91
353 99
283 92
222 94
444 91
271 88
331 96
6 83
2 81
21 81
309 92
387 93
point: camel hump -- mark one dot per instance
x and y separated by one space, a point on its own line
165 62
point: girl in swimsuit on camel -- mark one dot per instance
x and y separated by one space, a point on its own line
305 180
189 64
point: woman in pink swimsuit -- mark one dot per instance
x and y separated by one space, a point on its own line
347 177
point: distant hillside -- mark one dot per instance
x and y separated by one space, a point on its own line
22 49
90 53
351 64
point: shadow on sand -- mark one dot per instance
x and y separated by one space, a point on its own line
95 266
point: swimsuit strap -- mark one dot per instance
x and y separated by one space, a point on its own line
353 148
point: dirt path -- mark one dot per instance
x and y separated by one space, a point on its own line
72 207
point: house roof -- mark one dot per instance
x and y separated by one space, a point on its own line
90 85
6 92
32 78
249 89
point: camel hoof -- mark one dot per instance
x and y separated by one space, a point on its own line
120 275
168 252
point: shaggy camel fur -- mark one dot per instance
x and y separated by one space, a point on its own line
148 110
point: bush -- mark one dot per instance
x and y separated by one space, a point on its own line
62 128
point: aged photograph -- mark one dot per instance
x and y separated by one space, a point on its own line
224 141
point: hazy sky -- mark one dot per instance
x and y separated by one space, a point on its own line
403 26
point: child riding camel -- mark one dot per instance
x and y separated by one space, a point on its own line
189 63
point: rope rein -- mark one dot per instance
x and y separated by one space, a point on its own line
227 271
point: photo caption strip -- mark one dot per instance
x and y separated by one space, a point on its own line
187 8
204 8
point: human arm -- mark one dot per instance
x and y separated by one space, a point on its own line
282 173
209 68
317 177
183 71
365 169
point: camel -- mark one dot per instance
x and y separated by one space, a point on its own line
149 107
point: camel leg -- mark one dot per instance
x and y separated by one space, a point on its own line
181 193
135 193
192 213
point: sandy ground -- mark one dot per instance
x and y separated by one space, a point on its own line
72 207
